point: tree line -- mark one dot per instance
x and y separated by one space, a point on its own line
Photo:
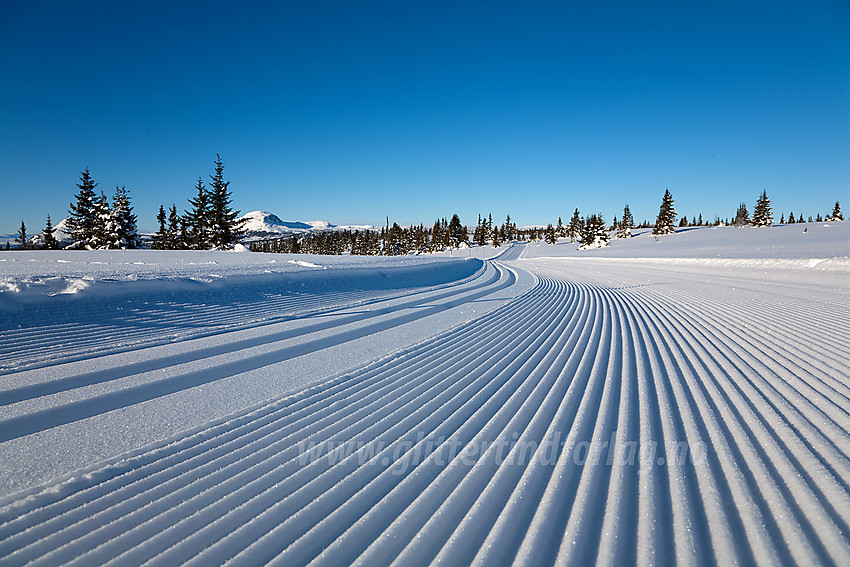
211 222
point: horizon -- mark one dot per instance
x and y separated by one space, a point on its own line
352 113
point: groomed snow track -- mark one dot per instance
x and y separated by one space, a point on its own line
580 422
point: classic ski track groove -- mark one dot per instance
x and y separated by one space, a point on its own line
568 360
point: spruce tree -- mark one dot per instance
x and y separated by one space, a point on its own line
436 237
125 232
48 238
550 234
742 217
160 239
666 216
456 232
575 226
762 215
83 217
22 235
225 229
560 231
836 213
791 219
198 219
624 230
173 229
594 233
103 236
509 229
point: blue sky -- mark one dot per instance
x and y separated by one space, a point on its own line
351 111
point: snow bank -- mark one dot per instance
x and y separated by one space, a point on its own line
29 277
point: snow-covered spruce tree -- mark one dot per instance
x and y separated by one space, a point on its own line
560 230
104 234
594 233
666 220
836 213
22 235
198 219
82 219
125 232
49 241
762 214
551 237
624 230
574 229
225 229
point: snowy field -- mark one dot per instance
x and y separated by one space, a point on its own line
684 400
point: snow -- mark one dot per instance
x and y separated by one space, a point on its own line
684 399
805 241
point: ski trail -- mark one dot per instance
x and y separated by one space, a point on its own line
580 422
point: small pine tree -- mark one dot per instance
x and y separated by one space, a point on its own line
624 230
225 228
560 230
22 235
456 232
666 216
742 217
125 233
550 234
791 219
594 233
173 230
509 229
762 214
198 219
836 213
48 238
160 239
575 226
83 217
104 233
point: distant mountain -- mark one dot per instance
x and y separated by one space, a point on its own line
263 225
35 236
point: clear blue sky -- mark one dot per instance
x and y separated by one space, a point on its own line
350 111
